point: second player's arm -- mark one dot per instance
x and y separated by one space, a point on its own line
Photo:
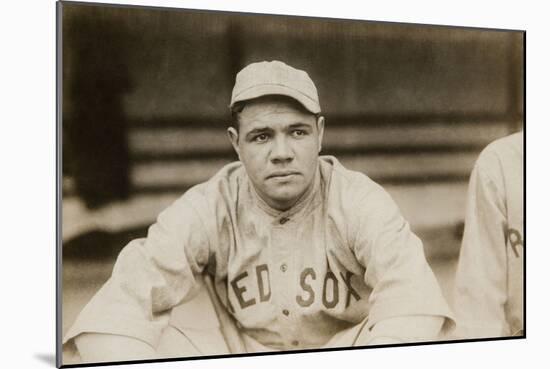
480 294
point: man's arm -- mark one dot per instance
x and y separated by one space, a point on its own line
150 277
406 301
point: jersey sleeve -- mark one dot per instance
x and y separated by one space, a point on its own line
480 292
402 282
150 276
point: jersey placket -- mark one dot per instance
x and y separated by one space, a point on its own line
284 277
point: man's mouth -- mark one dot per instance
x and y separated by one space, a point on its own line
282 174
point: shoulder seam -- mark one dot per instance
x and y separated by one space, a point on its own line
203 224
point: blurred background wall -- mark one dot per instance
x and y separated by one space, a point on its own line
145 94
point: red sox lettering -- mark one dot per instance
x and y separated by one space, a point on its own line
253 288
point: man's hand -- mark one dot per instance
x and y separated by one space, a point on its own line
96 347
415 328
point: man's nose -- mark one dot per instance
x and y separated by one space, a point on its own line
281 151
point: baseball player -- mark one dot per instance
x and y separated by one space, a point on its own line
489 279
282 250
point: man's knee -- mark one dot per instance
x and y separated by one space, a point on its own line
174 343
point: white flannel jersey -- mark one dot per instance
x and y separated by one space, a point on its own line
291 279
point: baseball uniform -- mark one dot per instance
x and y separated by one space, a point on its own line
489 280
340 257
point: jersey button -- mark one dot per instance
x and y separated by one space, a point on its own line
283 220
286 312
283 268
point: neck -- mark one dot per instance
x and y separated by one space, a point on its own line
287 206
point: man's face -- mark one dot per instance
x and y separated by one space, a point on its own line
278 143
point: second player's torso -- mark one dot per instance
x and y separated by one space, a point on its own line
512 170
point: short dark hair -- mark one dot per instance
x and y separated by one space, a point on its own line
239 106
236 109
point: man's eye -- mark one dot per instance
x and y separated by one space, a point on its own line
261 138
298 133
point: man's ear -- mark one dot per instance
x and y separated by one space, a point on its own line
233 136
321 130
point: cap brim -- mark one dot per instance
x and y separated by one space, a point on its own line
264 90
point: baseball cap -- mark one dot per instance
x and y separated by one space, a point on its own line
275 78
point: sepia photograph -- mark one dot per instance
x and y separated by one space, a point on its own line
238 184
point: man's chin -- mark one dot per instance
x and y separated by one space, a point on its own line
285 201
